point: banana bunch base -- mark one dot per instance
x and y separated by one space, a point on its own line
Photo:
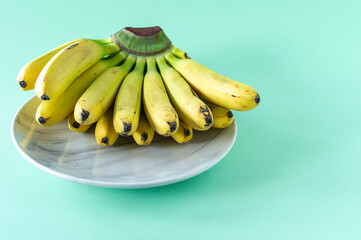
134 83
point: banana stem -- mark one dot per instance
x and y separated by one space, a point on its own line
151 64
129 62
178 53
118 58
105 40
139 66
171 58
162 64
111 48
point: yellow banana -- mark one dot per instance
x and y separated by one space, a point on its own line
214 87
68 64
145 133
128 101
105 133
184 133
29 73
97 99
193 111
159 111
75 126
222 117
55 110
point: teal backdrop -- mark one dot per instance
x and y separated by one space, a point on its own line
295 169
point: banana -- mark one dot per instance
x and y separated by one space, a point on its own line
68 64
55 110
189 107
184 133
75 126
29 73
159 111
105 133
97 99
214 87
145 133
222 117
128 101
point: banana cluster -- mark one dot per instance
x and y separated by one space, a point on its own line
126 86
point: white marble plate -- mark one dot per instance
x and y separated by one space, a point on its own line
77 157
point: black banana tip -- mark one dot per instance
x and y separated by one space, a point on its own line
42 120
44 97
105 140
127 127
187 132
84 115
23 84
257 99
209 120
172 126
76 125
144 137
229 114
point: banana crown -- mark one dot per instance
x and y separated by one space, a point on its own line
142 41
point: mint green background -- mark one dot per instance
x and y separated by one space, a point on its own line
294 171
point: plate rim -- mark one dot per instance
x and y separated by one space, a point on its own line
146 184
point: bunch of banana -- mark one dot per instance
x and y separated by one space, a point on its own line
134 83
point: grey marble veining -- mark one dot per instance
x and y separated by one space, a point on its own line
77 157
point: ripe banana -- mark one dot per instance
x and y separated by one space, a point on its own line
222 117
145 133
29 73
105 133
68 64
214 87
189 107
97 99
128 101
75 126
159 111
184 133
108 81
55 110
